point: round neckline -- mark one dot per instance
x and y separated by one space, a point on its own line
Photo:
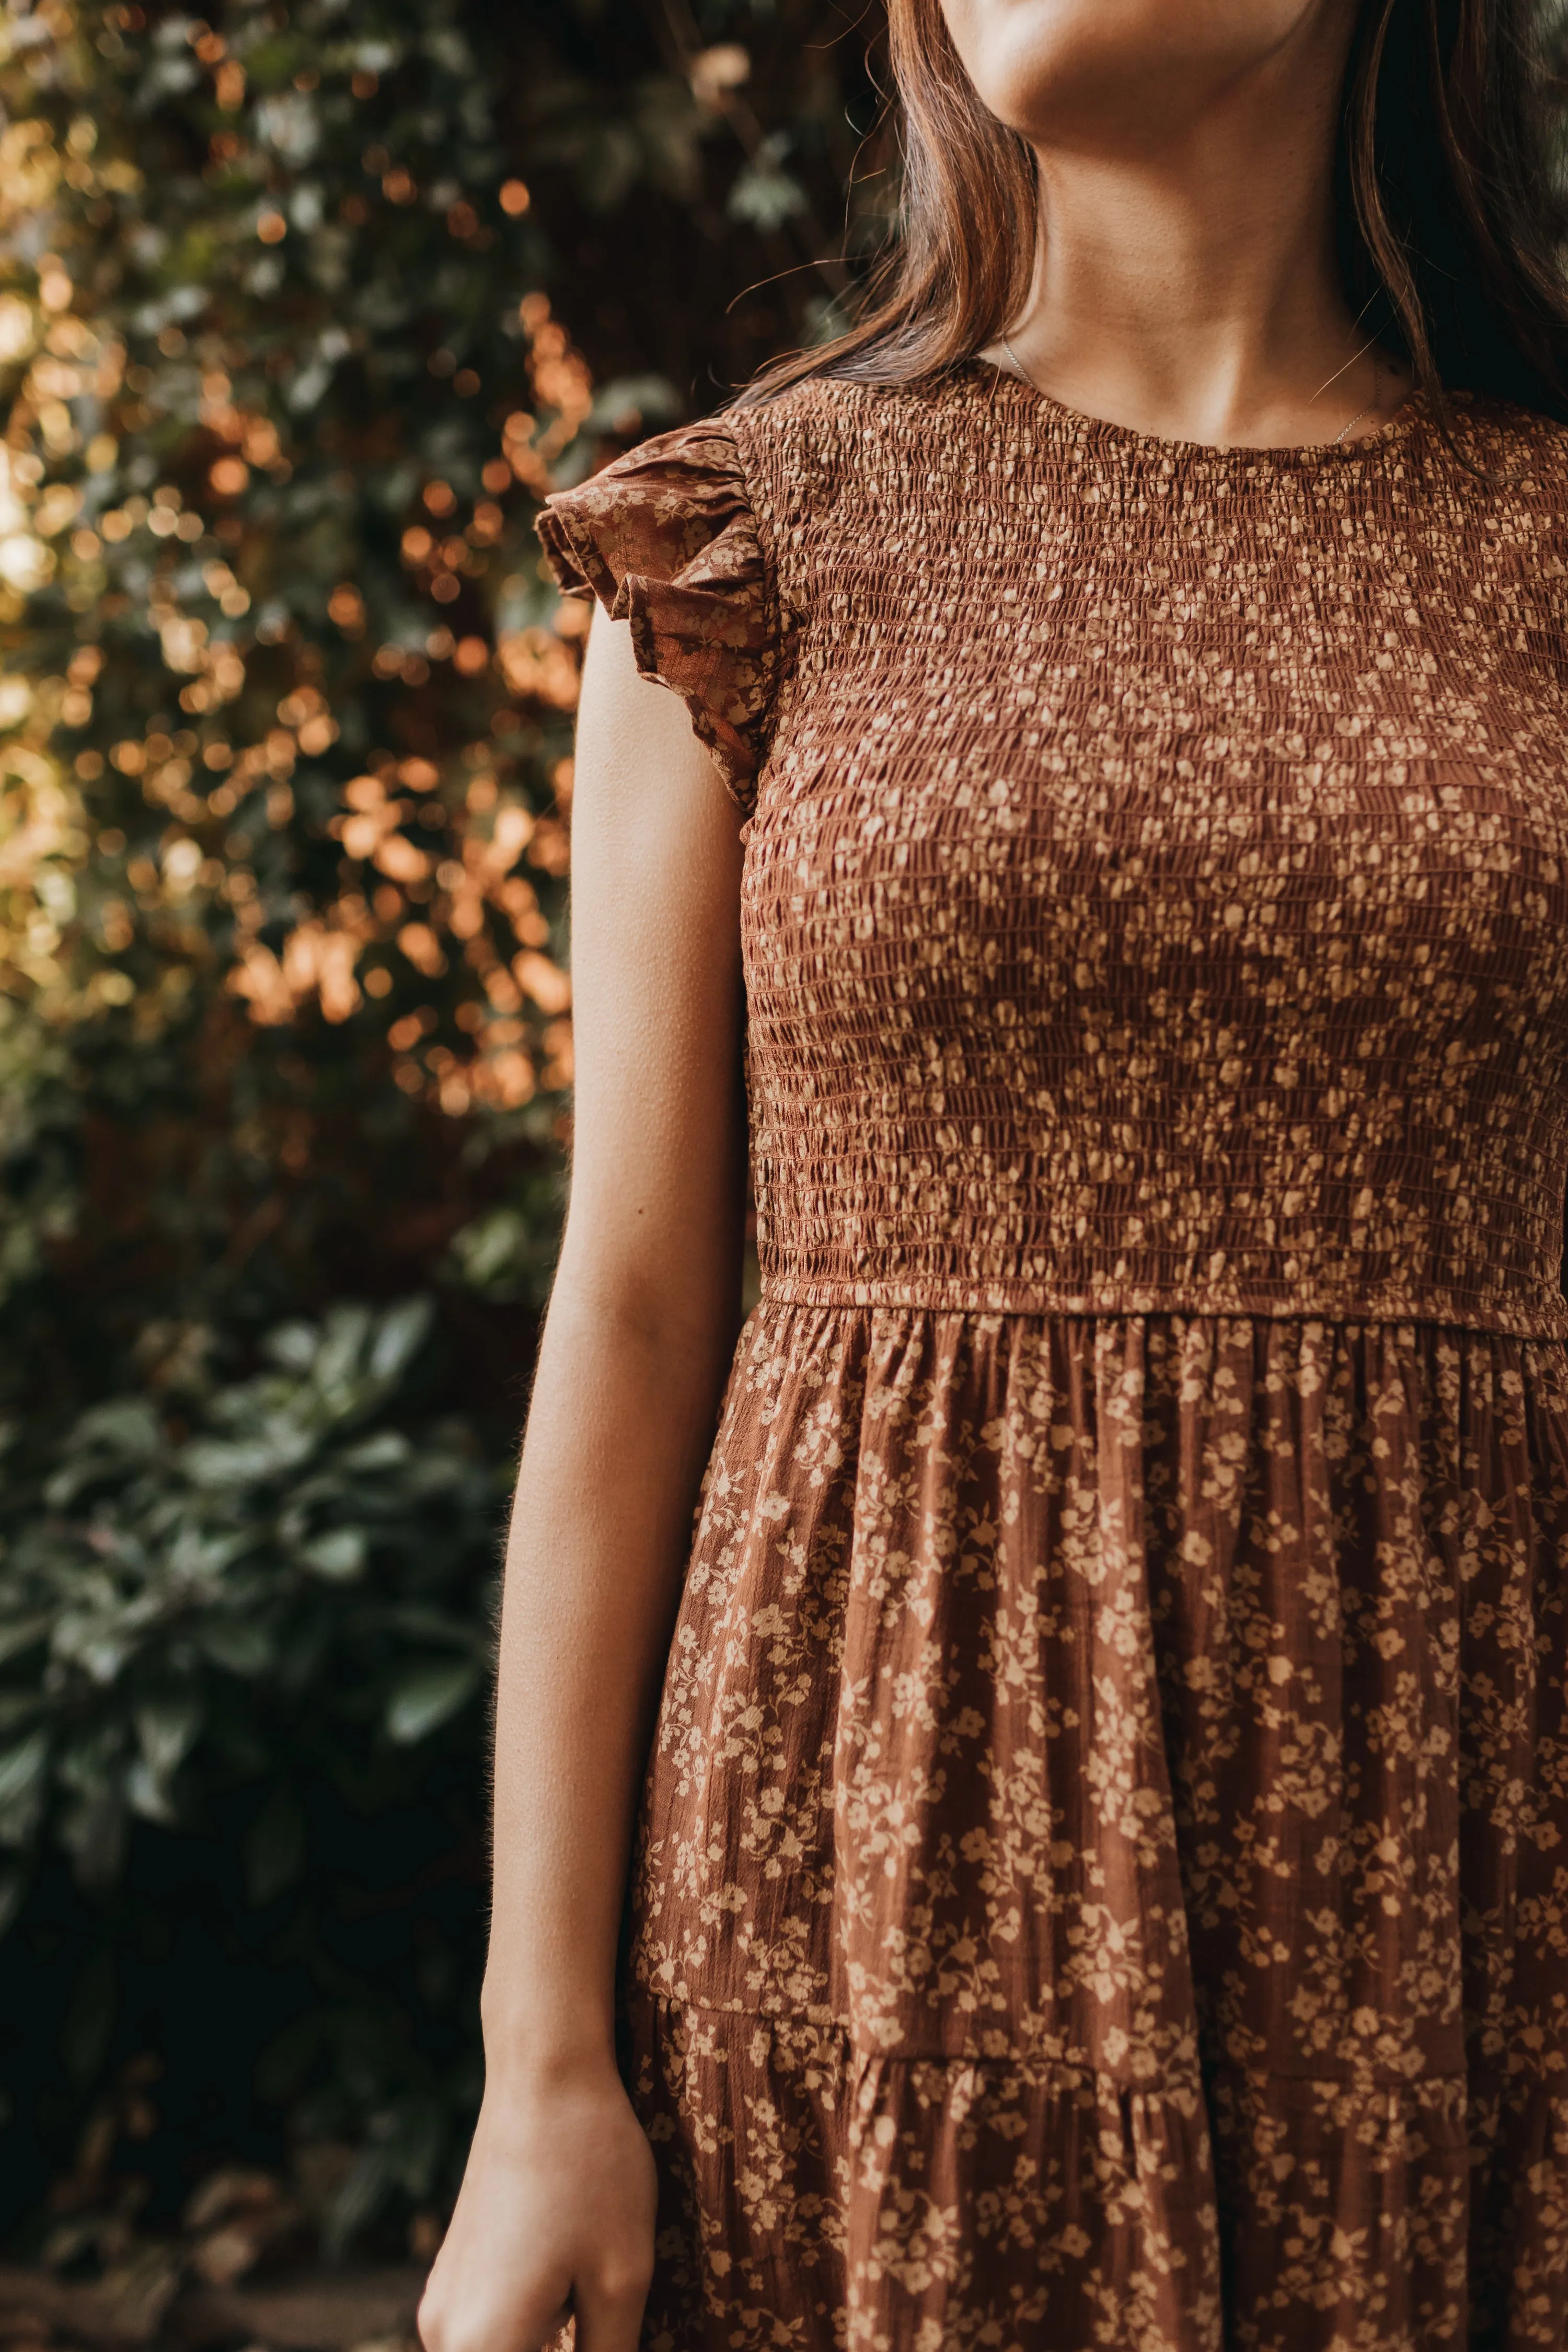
1083 427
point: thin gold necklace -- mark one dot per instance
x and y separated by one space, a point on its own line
1348 426
1372 404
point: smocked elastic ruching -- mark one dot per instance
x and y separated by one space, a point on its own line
665 537
1158 893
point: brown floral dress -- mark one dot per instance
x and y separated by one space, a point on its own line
1103 1871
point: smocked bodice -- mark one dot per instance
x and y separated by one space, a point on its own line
1156 879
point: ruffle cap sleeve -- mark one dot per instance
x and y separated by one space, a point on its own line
665 537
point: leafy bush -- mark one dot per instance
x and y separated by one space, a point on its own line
303 305
210 1617
279 1589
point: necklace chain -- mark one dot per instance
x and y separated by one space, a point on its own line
1372 404
1348 426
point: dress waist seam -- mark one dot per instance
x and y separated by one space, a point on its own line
1525 1321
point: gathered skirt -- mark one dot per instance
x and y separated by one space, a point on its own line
1103 1874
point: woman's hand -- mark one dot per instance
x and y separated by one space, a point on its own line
555 2217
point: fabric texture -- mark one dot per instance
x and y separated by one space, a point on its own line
1103 1874
666 539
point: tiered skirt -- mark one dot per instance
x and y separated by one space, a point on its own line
1103 1873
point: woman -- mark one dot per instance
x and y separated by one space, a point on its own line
1103 1872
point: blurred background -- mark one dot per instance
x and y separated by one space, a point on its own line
303 307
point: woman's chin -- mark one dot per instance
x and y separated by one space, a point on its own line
1086 72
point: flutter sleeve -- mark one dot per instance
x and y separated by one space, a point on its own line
666 539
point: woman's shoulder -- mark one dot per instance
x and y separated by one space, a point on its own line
828 459
841 416
1521 451
827 399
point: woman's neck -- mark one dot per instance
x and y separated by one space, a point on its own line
1187 284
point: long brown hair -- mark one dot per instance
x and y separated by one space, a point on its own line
1452 217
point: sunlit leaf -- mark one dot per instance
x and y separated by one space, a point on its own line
399 1336
22 1769
338 1555
426 1695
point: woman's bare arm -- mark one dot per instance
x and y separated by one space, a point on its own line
558 2197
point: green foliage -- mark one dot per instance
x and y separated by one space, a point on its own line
39 1120
302 308
259 395
211 1623
277 1590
